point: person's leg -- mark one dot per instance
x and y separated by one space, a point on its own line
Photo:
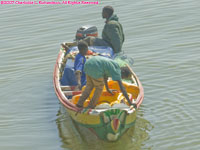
89 40
100 42
95 41
98 85
85 94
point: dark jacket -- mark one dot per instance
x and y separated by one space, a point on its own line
113 33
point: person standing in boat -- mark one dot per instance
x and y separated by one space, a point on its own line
79 64
97 70
112 34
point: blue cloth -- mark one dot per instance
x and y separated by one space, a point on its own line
79 66
68 77
105 51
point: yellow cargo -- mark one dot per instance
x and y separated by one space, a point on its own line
105 98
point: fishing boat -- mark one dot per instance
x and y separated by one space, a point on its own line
113 115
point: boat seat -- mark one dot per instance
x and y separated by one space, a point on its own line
67 88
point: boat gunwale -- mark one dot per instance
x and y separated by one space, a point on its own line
65 101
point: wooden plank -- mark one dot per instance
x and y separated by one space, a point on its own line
72 93
67 88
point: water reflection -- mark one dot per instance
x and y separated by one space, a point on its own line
76 137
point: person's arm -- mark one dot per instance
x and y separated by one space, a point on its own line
78 67
123 90
106 84
78 79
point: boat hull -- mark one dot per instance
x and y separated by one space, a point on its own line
107 124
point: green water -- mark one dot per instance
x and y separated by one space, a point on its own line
163 38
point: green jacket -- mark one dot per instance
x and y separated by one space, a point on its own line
113 33
98 67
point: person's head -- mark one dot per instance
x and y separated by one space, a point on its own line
82 47
107 12
125 72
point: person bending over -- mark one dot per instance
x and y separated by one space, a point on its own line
97 70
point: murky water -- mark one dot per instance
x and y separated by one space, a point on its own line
163 38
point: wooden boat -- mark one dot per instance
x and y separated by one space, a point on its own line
112 116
